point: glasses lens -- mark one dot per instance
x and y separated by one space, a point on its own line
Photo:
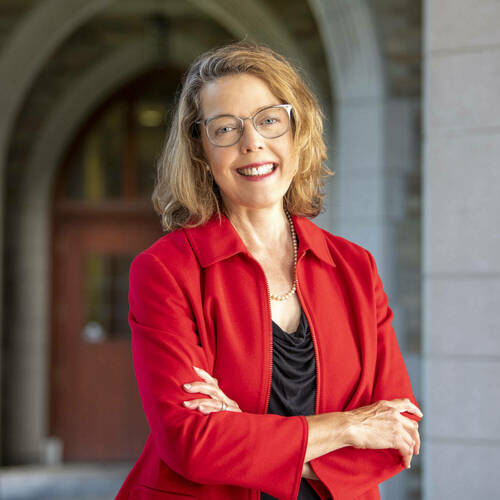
224 130
272 122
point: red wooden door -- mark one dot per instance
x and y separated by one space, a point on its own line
102 218
95 406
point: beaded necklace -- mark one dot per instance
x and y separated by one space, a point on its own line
294 242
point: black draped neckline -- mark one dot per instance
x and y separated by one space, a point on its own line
293 386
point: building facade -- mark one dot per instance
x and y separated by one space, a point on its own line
87 88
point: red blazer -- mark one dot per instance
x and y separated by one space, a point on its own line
198 297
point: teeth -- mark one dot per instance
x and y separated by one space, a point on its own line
262 170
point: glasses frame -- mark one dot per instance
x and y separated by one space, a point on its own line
288 107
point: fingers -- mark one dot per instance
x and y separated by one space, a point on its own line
410 444
411 428
212 389
407 461
206 406
214 392
382 425
413 431
416 439
405 445
204 388
406 405
206 376
406 439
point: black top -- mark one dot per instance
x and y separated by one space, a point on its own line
293 385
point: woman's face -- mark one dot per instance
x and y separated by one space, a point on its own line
242 95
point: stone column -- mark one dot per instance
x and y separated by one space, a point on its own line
461 261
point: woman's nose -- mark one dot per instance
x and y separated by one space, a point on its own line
250 139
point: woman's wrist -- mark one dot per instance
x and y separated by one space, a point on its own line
350 429
327 432
341 426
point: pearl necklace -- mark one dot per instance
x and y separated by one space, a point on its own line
294 243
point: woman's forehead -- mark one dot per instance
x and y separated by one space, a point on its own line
240 95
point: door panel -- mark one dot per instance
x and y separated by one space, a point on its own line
95 406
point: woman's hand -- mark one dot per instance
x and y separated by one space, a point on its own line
381 425
212 389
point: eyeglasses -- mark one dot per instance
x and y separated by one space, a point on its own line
270 122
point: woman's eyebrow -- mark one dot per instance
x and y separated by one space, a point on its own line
252 113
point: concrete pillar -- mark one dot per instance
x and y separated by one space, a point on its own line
372 149
461 234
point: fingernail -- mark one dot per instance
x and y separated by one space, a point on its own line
187 386
187 403
196 368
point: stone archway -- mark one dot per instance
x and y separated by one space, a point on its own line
30 331
351 47
31 219
359 210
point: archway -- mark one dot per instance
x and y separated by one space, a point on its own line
32 221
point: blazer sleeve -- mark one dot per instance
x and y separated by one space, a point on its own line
249 450
349 472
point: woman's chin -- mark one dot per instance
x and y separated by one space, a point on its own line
257 204
256 199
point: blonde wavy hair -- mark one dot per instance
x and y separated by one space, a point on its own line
185 194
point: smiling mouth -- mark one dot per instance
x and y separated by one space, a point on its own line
257 171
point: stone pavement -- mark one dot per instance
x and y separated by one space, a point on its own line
65 482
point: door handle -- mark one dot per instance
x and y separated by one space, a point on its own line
93 333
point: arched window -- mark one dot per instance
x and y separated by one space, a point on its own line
113 157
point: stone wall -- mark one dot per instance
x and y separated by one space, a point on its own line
461 269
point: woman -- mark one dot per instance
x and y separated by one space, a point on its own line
263 347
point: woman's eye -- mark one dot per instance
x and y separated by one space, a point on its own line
269 121
223 130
